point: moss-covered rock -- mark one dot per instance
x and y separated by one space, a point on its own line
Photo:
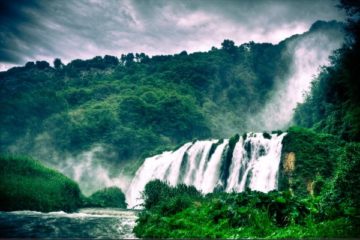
214 146
225 167
266 135
306 157
28 185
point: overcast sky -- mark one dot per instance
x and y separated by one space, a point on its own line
43 30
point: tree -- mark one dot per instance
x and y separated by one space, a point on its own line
29 65
58 64
111 60
42 64
127 59
228 46
96 62
333 103
142 58
183 53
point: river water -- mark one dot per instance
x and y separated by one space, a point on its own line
107 223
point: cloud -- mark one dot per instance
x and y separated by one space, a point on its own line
42 30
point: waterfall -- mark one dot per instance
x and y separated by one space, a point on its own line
254 164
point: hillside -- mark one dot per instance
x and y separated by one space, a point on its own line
138 105
28 185
101 136
333 104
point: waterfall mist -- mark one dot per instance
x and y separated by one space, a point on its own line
309 53
90 171
93 169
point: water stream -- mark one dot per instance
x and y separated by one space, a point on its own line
106 223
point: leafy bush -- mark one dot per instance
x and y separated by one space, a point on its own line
315 155
157 192
342 197
186 214
107 197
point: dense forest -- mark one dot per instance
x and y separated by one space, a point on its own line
138 105
333 104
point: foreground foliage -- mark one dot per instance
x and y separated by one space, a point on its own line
319 197
186 214
27 185
107 197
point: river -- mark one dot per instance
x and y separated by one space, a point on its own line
107 223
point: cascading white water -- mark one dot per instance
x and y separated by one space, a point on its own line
254 163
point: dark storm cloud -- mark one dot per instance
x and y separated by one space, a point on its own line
12 21
69 29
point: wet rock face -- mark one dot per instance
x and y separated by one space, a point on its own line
289 162
310 187
286 173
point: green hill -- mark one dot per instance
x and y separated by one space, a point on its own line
137 106
27 185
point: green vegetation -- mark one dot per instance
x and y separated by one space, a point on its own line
157 192
318 197
137 106
333 104
28 185
326 168
182 212
107 197
314 160
341 195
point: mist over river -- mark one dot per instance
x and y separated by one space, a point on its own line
109 223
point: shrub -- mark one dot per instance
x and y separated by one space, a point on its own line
342 197
185 214
315 155
154 192
107 197
157 192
